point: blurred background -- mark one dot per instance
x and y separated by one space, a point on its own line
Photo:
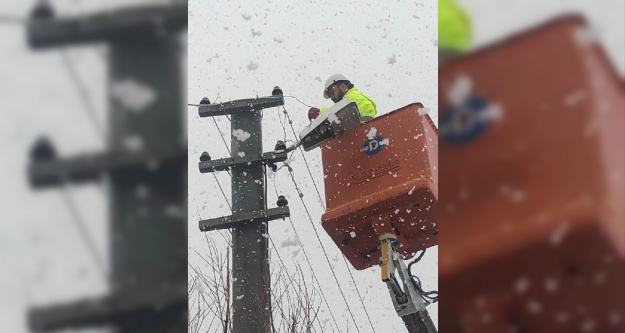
54 242
62 93
532 116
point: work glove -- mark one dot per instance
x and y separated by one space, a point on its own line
313 113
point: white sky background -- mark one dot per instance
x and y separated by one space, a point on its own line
240 49
42 257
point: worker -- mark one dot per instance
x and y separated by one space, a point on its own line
454 30
338 86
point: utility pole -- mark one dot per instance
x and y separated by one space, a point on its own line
251 297
146 163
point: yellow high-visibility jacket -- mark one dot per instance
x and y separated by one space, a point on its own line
454 27
366 105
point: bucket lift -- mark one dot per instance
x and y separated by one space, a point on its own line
534 221
381 193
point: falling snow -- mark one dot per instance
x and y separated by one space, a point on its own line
585 36
460 90
372 133
241 135
132 95
133 143
252 66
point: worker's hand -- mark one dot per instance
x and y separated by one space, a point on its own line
313 113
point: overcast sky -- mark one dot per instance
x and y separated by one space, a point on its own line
241 49
237 50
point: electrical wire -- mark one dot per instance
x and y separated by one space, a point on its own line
306 255
80 224
321 201
301 196
82 92
358 293
305 161
91 111
427 296
299 101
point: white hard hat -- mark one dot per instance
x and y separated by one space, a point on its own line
332 80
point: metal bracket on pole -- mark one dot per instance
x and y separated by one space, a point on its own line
239 219
90 167
119 24
239 106
408 304
227 163
109 309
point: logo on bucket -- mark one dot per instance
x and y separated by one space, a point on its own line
467 115
373 145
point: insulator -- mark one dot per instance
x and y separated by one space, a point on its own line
276 91
42 11
280 146
282 201
43 150
205 157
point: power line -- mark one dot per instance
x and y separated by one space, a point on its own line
358 292
222 136
284 267
82 92
80 224
321 201
313 273
319 195
301 196
300 101
305 161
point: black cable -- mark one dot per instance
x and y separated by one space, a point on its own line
299 101
80 224
305 161
301 196
82 92
358 292
321 201
416 282
222 136
283 126
311 268
315 275
284 267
